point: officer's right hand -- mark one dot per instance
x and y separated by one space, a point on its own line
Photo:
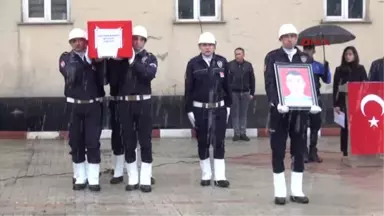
130 60
337 110
191 118
282 108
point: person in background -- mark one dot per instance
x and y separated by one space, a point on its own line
376 72
320 72
350 70
242 81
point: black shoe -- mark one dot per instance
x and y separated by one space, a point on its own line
78 187
236 138
145 188
314 157
280 200
222 183
244 137
132 187
117 180
153 181
205 183
306 160
301 200
73 180
94 188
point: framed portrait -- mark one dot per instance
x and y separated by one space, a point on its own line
296 86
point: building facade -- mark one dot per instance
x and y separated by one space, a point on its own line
34 34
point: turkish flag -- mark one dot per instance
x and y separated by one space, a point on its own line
366 117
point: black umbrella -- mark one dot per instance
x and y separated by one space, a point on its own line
321 35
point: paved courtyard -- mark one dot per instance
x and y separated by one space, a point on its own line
35 179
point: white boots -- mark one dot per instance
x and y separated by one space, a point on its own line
83 172
280 188
219 170
279 185
80 176
219 165
93 177
145 174
133 176
118 170
206 170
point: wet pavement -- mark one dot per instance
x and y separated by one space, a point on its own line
35 179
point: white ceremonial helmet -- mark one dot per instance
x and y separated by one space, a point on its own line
207 38
287 29
77 33
140 31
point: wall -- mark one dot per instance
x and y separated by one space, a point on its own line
29 66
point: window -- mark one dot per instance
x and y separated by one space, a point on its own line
198 10
46 10
348 10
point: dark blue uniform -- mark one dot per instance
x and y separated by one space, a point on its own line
135 104
114 68
320 72
207 94
376 72
293 123
84 90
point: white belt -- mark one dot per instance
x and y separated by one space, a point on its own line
77 101
133 97
113 98
208 105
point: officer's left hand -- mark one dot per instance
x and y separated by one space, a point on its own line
315 109
228 112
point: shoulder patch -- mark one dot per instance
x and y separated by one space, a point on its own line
303 58
220 64
144 59
62 63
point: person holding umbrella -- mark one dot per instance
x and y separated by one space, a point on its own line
320 71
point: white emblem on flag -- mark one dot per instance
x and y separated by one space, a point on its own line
374 98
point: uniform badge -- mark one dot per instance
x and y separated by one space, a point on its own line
222 74
93 67
303 58
62 64
153 65
144 59
220 64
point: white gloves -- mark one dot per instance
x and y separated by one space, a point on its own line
282 108
228 112
87 57
315 109
191 118
130 60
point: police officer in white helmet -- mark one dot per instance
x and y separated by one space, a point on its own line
132 78
283 121
208 101
84 92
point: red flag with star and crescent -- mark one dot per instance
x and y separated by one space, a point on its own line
366 117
